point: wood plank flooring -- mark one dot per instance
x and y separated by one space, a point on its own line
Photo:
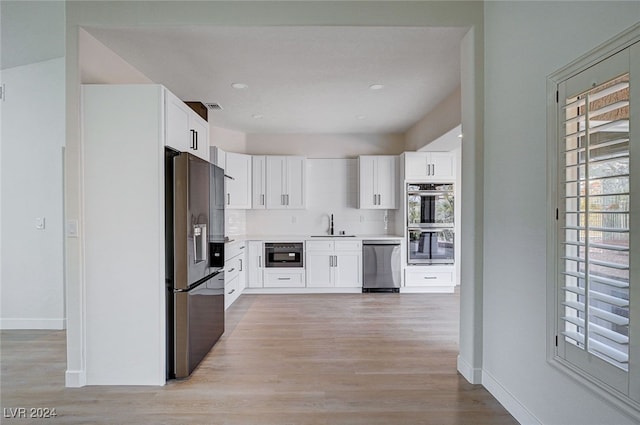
284 359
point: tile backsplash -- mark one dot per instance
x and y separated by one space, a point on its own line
332 188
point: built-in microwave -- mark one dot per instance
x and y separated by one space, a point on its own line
430 205
283 254
431 246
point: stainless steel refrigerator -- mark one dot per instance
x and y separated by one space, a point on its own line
194 240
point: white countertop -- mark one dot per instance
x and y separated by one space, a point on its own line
302 238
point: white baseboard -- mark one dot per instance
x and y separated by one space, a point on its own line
444 289
23 324
75 378
512 404
471 374
263 291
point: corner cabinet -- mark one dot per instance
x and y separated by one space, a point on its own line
238 180
185 130
377 182
285 182
429 165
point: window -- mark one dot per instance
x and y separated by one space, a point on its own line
594 238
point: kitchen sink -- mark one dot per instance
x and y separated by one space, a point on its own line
333 236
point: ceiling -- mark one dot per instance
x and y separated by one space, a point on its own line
300 79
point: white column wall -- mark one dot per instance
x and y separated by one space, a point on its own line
33 114
525 42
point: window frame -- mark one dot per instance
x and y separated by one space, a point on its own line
628 403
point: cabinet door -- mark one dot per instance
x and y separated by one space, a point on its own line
177 133
319 269
255 264
386 182
239 186
443 165
258 185
199 136
416 165
367 177
275 182
348 269
295 182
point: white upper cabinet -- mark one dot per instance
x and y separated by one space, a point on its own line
377 182
185 130
238 180
285 182
429 166
259 182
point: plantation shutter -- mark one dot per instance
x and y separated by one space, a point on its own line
594 232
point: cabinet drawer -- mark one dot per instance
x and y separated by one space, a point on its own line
284 279
231 270
348 245
428 278
231 249
319 246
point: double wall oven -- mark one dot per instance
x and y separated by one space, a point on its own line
430 225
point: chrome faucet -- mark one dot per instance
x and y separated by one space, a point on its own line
331 225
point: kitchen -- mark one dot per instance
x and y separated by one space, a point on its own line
321 188
512 47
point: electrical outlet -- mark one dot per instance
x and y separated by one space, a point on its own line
40 222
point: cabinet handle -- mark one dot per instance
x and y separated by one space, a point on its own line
228 199
231 269
281 199
379 199
259 260
261 199
375 199
240 264
430 277
196 133
284 278
433 168
232 291
331 261
335 261
192 139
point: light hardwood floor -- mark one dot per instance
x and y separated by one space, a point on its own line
300 359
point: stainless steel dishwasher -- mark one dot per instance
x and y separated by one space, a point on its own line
381 263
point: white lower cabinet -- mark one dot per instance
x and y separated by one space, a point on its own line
440 278
235 273
284 278
255 264
333 264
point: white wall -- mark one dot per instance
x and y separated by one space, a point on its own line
101 65
444 117
332 188
525 42
33 136
325 145
227 140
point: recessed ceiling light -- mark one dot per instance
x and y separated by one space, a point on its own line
240 86
376 86
257 116
460 135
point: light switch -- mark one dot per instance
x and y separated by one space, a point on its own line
72 228
40 223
